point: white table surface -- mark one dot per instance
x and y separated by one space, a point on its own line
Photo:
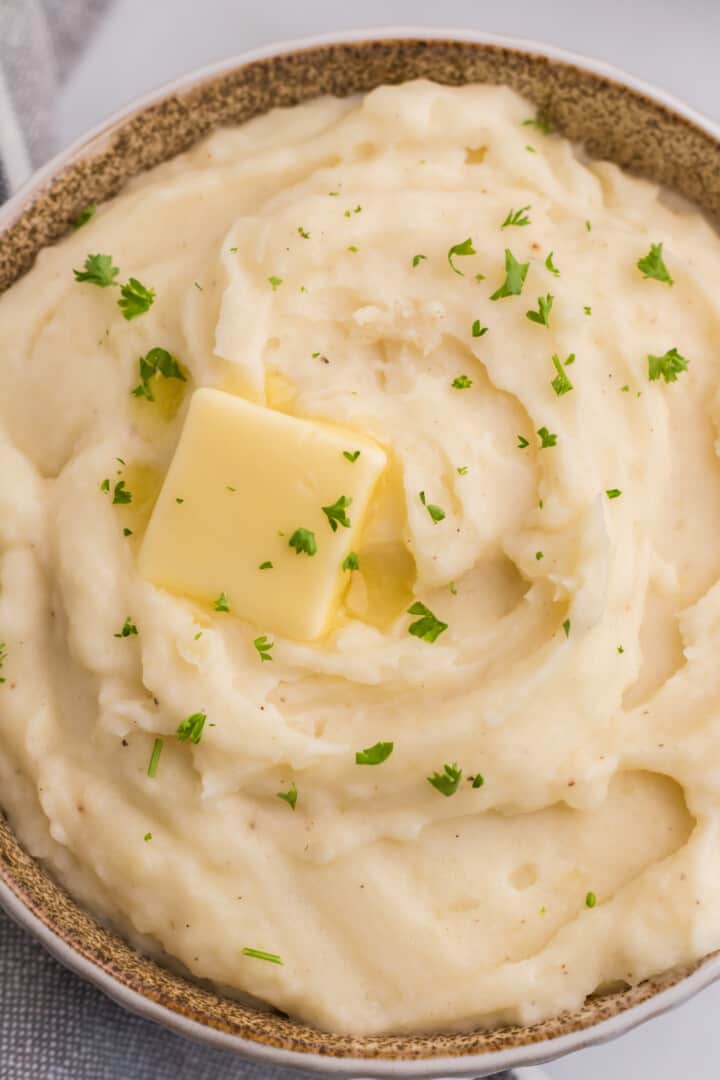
674 44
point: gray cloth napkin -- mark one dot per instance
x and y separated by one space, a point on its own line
53 1026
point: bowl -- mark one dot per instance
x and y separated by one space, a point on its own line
615 117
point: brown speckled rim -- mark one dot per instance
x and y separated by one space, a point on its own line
616 117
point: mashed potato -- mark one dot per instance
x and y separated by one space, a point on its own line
374 263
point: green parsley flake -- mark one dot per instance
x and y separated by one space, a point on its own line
147 837
613 493
462 470
461 382
129 629
522 442
266 566
263 647
462 249
336 513
515 274
547 438
351 561
447 781
221 604
653 265
566 628
668 366
303 540
621 649
477 781
290 796
478 329
539 555
417 259
258 954
353 249
374 755
587 310
276 282
105 486
180 501
84 216
427 627
127 532
588 226
590 900
542 123
435 512
561 384
542 315
98 270
530 149
516 217
135 299
303 232
453 588
156 362
549 265
351 455
155 758
3 658
120 495
192 728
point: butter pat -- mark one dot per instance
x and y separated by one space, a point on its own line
243 479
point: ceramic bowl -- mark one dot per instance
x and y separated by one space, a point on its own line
615 117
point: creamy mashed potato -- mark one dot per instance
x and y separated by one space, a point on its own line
304 261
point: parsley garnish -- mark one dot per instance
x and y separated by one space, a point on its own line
135 299
447 781
266 566
351 561
263 647
653 265
3 658
566 628
147 837
613 493
353 248
462 470
336 513
120 495
551 266
290 796
542 315
155 758
561 384
590 900
435 512
258 954
84 216
516 217
127 532
192 728
105 486
98 270
462 382
221 604
667 367
374 755
351 455
427 627
478 329
417 259
515 274
539 555
522 442
540 122
303 541
303 232
453 588
587 309
546 438
157 362
129 628
276 282
477 781
620 649
464 248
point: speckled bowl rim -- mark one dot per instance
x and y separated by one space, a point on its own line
675 987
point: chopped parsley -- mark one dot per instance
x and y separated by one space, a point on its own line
621 649
461 382
653 265
435 512
336 513
566 628
192 728
547 438
258 954
453 588
275 282
263 647
668 366
540 122
374 755
462 470
427 627
147 837
353 248
221 604
303 540
447 781
561 384
3 658
266 565
303 232
549 265
590 900
464 248
539 555
156 362
98 270
135 299
417 259
515 274
516 217
542 315
290 796
587 309
613 493
478 329
155 758
129 629
127 532
84 216
105 486
180 501
588 226
351 561
477 781
522 442
351 455
120 495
